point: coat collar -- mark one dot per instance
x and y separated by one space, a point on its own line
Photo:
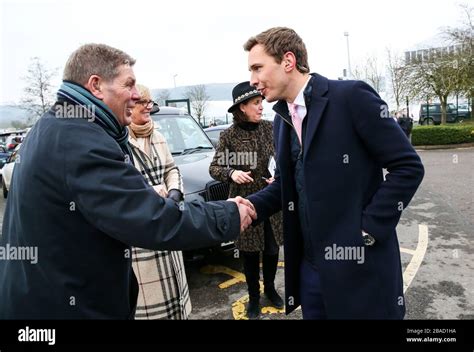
316 102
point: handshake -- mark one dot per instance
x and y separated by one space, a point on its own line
246 210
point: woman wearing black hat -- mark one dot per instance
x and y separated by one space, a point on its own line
242 158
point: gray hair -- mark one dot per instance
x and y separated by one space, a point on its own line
95 59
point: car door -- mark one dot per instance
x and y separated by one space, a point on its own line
8 169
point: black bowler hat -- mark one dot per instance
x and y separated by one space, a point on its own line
243 92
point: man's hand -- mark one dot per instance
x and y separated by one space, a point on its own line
270 180
241 177
175 195
161 190
246 211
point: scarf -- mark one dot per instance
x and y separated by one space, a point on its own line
103 116
142 131
248 126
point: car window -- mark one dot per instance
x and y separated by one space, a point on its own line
214 134
181 132
432 108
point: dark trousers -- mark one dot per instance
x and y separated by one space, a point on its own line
270 262
312 304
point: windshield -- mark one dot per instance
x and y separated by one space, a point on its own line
182 133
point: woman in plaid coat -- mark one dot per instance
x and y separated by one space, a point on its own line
161 276
242 158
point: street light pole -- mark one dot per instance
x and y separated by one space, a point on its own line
346 34
174 79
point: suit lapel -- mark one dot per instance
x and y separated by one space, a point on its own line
316 109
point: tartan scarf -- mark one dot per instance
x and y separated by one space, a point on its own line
103 116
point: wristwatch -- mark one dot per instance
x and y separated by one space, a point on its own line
368 239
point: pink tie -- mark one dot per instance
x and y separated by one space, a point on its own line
297 122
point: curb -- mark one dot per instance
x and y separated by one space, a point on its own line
446 146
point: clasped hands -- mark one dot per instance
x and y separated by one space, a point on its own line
246 210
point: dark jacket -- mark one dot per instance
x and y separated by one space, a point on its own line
258 146
73 196
346 144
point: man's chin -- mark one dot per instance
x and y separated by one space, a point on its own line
270 99
127 120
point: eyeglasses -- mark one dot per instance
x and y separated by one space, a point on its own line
146 103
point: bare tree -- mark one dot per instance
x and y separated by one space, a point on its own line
163 96
38 93
445 71
199 100
398 76
462 40
436 75
18 125
370 72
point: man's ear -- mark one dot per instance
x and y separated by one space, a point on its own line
94 85
289 61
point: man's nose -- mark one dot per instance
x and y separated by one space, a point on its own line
253 79
135 96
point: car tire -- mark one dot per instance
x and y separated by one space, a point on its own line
4 188
428 122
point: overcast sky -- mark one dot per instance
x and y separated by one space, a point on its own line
201 41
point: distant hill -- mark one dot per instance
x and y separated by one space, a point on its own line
216 91
10 113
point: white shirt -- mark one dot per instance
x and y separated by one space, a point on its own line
300 103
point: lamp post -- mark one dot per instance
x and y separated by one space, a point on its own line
174 79
346 34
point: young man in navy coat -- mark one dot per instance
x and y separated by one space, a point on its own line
333 139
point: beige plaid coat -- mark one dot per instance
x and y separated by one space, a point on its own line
164 292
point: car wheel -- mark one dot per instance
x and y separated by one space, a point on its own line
428 122
4 188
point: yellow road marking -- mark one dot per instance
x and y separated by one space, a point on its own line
417 258
238 307
219 269
240 313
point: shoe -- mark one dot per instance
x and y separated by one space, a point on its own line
253 308
274 298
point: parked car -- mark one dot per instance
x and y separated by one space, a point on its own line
431 114
214 132
4 155
193 152
7 170
465 109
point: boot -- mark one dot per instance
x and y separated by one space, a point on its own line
270 263
252 276
253 308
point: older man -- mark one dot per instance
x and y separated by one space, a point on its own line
78 199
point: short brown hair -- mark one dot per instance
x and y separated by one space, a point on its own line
95 59
279 40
